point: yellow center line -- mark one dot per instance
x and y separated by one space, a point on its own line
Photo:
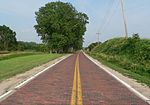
73 97
79 101
76 91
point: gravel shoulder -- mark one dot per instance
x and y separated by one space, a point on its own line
11 83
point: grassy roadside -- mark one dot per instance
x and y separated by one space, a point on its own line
130 56
20 64
142 78
16 54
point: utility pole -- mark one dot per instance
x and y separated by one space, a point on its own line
98 36
124 18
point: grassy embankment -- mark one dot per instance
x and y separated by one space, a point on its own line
15 63
131 57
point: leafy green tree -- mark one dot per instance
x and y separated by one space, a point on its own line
61 26
7 38
31 46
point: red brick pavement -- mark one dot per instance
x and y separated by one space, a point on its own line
54 87
99 88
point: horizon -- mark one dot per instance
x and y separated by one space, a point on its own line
20 17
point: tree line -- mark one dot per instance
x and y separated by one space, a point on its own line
7 38
8 42
60 26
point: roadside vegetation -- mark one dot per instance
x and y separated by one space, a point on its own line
61 26
10 55
8 42
22 63
129 56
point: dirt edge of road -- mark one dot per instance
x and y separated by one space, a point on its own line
141 88
10 84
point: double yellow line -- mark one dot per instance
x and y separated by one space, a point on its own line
76 98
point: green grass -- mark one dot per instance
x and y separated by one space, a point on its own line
142 78
130 56
11 67
16 54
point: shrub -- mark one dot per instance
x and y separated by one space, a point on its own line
132 54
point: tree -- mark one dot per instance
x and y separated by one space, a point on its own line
7 38
31 46
61 26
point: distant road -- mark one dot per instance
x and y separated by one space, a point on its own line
74 81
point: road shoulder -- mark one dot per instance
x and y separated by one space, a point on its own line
142 89
10 84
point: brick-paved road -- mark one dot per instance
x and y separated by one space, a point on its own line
91 86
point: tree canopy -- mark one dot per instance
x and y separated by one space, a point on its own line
31 46
61 26
7 38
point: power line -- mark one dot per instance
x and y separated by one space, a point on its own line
104 22
106 15
110 17
109 14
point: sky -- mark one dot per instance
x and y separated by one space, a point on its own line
105 17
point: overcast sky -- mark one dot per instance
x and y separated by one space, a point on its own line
104 16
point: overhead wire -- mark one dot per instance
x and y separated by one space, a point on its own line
110 5
108 16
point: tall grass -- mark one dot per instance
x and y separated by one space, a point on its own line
131 55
